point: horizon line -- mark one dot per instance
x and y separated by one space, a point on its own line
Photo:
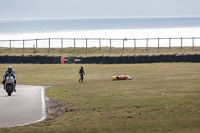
82 18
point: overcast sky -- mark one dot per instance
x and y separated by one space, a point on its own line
56 9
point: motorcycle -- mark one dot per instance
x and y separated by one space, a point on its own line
9 85
122 77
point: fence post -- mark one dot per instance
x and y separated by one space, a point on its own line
62 44
135 45
147 46
123 45
36 45
110 45
181 44
49 45
158 45
23 46
10 44
99 46
86 47
169 44
193 44
33 48
74 44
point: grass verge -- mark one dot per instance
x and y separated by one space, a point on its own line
94 51
163 97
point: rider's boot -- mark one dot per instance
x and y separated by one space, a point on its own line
14 89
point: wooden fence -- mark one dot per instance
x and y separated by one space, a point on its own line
194 42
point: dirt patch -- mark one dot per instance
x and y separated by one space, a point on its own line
54 108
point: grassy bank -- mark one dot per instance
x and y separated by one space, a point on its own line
163 97
96 51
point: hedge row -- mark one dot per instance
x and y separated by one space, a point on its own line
137 59
30 59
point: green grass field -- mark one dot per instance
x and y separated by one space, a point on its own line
94 51
162 97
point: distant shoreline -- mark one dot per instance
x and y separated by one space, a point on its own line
23 26
92 18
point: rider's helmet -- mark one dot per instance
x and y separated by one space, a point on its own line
82 67
10 69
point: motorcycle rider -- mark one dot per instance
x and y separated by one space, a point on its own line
81 72
9 72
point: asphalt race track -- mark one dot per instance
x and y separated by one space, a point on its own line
23 107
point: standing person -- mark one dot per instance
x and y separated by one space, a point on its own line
9 72
81 72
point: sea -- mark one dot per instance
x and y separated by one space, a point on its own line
102 29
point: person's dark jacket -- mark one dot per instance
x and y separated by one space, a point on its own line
81 71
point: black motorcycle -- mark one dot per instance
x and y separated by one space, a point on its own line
9 85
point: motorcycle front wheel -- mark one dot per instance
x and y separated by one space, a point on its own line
9 90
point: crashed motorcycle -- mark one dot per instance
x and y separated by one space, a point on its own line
9 85
122 77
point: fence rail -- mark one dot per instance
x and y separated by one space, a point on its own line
98 42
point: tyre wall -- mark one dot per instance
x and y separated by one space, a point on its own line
98 59
179 58
84 60
193 58
131 59
138 59
26 59
105 60
42 59
144 59
77 60
171 58
111 59
186 58
49 59
91 59
11 59
117 60
151 59
197 57
30 59
124 59
4 59
158 58
165 58
34 59
56 59
18 59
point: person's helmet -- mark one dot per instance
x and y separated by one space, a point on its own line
82 67
10 69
